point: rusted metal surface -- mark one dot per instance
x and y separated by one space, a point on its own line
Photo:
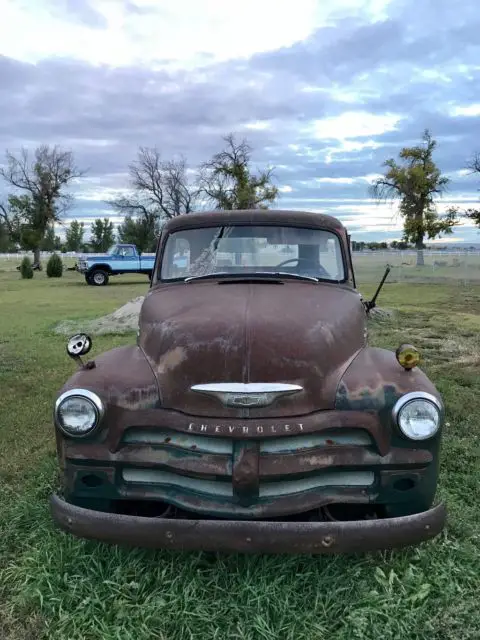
249 536
249 332
245 463
255 217
122 377
375 380
245 483
245 472
240 429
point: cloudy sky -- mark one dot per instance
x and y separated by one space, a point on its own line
324 90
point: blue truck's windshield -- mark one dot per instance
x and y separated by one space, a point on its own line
244 249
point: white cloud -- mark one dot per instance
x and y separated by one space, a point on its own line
471 110
355 180
184 31
336 180
354 124
446 240
258 125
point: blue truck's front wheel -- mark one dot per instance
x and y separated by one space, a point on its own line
98 278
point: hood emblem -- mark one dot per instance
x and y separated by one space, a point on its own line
246 395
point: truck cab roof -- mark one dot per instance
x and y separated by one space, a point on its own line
255 217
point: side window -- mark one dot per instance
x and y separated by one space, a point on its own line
178 260
331 257
128 252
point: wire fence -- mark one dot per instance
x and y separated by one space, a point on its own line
462 267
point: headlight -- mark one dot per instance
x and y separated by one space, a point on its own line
78 412
418 414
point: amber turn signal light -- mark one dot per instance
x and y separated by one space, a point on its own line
407 356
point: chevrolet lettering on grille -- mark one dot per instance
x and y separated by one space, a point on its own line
198 427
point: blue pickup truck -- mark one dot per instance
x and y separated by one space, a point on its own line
122 258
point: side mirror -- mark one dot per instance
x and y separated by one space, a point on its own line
79 345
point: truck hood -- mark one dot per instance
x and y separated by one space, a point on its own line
211 332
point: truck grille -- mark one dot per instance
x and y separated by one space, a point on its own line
222 488
206 444
227 476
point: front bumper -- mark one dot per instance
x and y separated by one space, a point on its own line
249 536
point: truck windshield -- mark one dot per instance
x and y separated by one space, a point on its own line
243 250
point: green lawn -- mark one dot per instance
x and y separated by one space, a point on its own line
461 268
57 587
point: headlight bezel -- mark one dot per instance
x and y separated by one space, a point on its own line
85 394
406 399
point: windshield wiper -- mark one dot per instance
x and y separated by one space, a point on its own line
287 274
204 276
262 274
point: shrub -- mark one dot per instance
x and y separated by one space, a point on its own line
54 266
26 270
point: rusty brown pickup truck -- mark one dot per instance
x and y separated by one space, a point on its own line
251 415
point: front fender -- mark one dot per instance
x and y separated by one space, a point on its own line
122 377
375 380
104 266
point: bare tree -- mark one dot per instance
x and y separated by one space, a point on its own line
474 163
159 190
473 166
227 181
41 181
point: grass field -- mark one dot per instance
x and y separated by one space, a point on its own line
463 268
57 587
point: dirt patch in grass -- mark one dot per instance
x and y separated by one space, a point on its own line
437 336
378 313
123 320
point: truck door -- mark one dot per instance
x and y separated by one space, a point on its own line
129 259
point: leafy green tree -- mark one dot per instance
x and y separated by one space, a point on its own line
416 182
49 239
6 243
375 246
358 246
74 236
400 244
54 266
227 181
41 197
103 235
139 232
